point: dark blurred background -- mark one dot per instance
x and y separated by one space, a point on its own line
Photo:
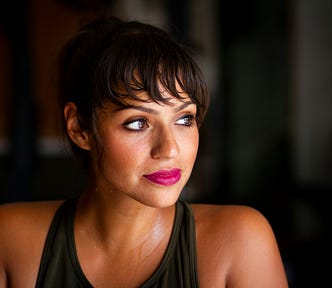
268 135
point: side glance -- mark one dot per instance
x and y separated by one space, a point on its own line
133 101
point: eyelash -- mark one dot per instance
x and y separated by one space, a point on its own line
143 123
190 120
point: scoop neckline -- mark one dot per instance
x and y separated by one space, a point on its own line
159 270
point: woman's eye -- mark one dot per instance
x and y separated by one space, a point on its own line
136 125
186 120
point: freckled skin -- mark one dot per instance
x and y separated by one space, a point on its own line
128 155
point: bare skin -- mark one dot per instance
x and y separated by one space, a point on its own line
235 248
126 225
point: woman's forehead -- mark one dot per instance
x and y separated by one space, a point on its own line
145 99
137 91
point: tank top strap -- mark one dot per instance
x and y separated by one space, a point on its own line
179 265
57 266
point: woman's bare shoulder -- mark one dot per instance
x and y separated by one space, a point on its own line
239 245
25 220
231 219
23 230
27 213
230 225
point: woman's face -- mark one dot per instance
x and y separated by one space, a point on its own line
148 149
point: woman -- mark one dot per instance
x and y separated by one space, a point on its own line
133 101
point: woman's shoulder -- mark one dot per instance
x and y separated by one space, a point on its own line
231 219
23 230
23 225
238 243
231 223
21 215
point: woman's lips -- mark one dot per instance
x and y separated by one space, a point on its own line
165 177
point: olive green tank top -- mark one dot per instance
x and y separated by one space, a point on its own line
60 266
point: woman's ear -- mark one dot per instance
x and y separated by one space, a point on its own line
75 132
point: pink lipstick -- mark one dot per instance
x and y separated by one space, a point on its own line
165 177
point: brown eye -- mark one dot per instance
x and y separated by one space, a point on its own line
186 120
136 125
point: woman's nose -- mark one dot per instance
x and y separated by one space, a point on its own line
165 145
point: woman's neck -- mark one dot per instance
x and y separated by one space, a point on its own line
122 222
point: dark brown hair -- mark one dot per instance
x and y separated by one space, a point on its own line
110 54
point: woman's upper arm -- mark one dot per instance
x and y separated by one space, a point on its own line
23 230
257 261
3 245
3 277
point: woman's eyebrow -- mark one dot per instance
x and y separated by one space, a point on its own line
144 109
140 108
154 111
183 106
